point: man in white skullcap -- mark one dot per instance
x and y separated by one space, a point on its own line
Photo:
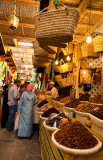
54 91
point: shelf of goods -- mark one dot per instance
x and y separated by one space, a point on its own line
51 152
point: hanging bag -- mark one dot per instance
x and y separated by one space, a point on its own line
56 26
16 122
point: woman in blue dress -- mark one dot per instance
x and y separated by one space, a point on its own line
25 108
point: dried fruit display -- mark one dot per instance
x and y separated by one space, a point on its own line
57 120
96 99
44 107
84 97
49 111
87 108
65 99
73 103
98 113
59 98
75 136
42 103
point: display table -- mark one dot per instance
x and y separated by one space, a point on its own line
51 152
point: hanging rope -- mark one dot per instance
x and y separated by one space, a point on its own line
56 3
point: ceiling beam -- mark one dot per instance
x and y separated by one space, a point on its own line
44 57
94 11
19 37
24 2
24 53
20 24
33 26
10 63
91 31
84 25
3 58
82 5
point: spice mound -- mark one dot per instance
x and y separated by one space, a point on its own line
42 103
75 136
58 98
96 99
73 103
49 111
98 113
87 108
44 107
84 97
65 99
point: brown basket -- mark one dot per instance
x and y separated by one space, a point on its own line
88 51
56 26
67 67
57 68
62 82
98 44
58 77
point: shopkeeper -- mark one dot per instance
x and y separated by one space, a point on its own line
54 91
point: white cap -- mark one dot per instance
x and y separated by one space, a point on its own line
52 83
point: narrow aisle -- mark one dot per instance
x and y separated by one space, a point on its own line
13 148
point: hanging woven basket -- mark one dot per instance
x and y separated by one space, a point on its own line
56 26
98 44
88 51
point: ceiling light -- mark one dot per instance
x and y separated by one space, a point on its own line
56 62
13 22
84 72
21 71
27 44
89 39
68 58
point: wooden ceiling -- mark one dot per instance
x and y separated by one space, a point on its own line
26 9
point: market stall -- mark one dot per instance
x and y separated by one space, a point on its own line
50 151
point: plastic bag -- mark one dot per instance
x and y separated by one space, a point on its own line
16 122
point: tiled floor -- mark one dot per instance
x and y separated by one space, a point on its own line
13 148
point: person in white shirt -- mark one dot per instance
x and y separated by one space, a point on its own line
54 91
13 98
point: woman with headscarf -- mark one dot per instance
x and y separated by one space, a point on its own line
25 108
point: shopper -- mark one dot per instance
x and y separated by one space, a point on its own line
13 98
25 108
5 108
54 91
23 89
